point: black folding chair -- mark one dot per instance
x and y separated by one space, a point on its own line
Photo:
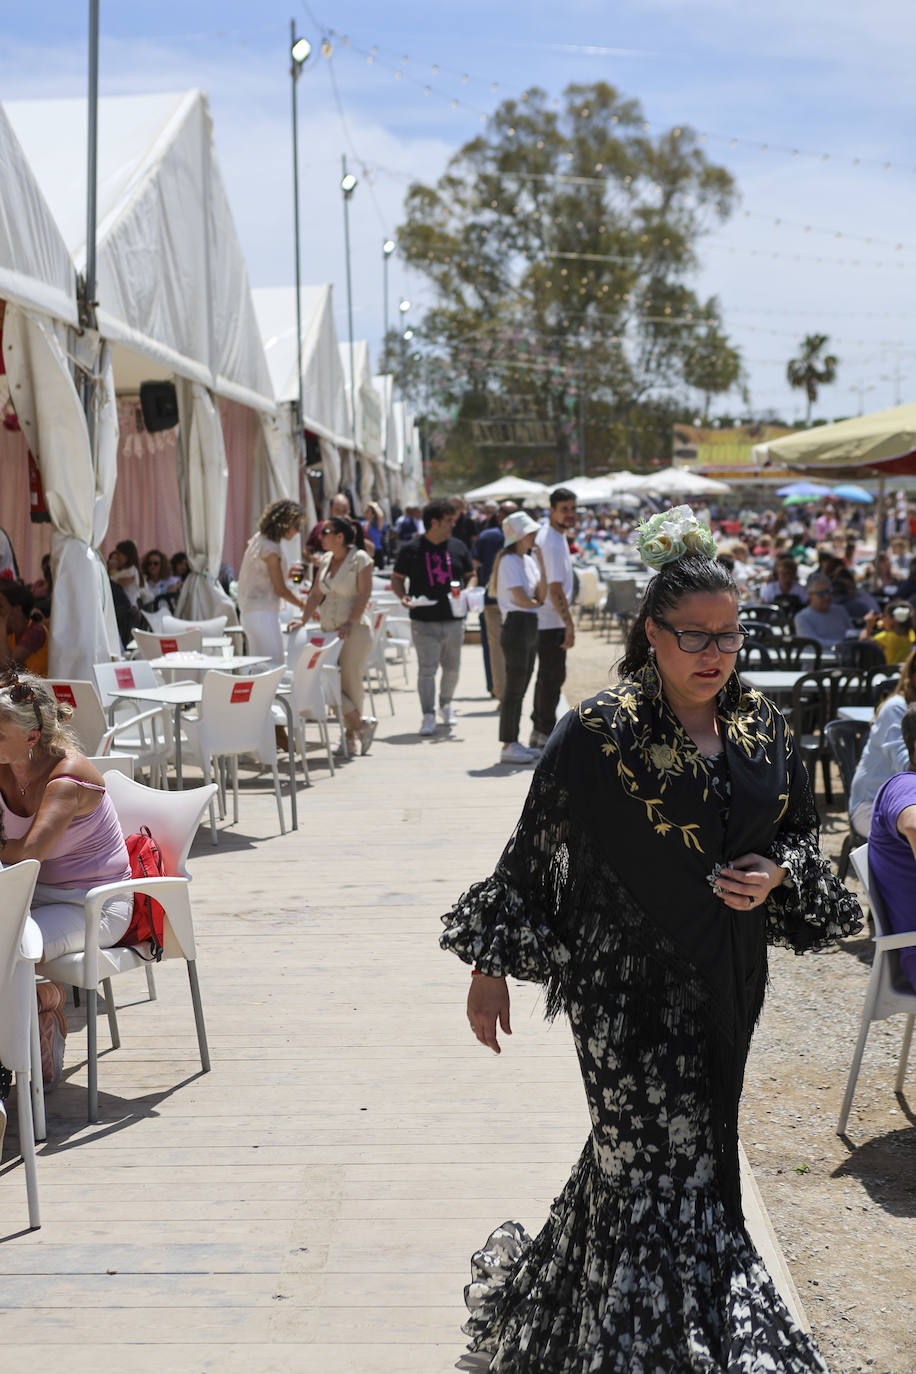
846 740
812 707
802 653
754 654
860 653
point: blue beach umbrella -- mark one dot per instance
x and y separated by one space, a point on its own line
848 491
811 491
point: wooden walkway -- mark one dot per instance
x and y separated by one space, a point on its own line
309 1205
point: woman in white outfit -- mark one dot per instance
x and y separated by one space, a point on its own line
262 581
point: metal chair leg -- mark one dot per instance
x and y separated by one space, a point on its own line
867 1010
92 1053
37 1085
198 1016
904 1053
27 1145
112 1014
151 984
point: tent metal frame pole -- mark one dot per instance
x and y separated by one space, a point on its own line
87 313
300 431
92 154
346 200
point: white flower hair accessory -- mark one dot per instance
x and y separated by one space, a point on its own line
671 534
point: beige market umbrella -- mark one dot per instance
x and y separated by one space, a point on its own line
884 441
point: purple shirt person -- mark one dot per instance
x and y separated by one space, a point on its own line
892 846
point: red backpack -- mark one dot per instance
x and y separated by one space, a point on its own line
148 920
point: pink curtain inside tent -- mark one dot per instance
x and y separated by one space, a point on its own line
145 506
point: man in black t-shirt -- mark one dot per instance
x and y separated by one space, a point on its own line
435 567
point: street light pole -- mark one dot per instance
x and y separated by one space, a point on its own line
387 250
299 50
348 184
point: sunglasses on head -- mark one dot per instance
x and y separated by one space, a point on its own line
21 691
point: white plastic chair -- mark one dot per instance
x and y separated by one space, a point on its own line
889 991
376 663
235 718
399 637
312 691
93 733
172 818
589 592
148 735
155 645
20 950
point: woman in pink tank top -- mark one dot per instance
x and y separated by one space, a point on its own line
54 808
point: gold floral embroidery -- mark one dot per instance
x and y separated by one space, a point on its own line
749 724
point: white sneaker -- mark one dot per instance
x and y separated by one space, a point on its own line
428 724
536 740
447 714
519 755
367 731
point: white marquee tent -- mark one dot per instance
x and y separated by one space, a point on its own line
174 299
324 401
38 287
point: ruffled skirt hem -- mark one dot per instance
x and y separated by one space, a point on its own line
650 1283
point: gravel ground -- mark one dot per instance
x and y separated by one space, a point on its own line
844 1209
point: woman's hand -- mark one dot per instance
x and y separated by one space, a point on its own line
747 882
343 630
488 1002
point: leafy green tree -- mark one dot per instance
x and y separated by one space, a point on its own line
558 243
711 364
810 370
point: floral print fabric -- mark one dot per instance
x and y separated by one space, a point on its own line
641 1268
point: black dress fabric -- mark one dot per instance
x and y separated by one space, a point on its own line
644 1266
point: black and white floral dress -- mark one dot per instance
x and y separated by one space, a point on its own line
644 1266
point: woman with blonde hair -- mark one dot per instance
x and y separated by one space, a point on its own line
54 808
263 582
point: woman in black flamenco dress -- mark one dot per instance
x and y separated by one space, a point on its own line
669 835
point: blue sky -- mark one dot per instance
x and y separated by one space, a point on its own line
790 95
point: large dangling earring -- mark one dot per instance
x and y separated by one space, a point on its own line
652 683
733 690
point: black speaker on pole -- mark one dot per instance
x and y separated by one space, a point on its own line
159 404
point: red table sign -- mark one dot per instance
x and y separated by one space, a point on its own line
64 693
124 677
168 646
241 692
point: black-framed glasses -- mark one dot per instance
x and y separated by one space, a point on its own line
21 691
695 641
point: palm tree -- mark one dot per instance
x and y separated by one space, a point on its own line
804 371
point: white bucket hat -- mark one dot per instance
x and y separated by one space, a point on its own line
517 525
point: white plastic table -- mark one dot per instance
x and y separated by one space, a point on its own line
184 661
774 682
864 714
177 696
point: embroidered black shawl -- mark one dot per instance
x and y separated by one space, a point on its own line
628 792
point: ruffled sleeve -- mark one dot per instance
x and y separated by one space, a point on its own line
507 925
811 908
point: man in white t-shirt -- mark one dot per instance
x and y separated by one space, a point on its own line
555 623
